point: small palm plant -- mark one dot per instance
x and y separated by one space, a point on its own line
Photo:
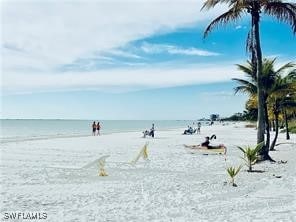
251 154
232 172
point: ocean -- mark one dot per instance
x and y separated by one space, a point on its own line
21 130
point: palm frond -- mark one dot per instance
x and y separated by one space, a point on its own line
233 171
247 69
243 82
231 15
250 42
292 75
284 12
242 149
245 87
250 154
268 66
285 67
212 3
259 147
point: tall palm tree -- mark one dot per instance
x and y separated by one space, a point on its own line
283 11
269 76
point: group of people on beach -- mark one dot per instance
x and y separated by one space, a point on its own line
206 145
190 130
96 129
149 132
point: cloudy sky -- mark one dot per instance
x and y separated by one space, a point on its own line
127 59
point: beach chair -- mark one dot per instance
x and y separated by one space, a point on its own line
143 153
98 164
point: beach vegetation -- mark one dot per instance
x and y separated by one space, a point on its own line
251 155
281 103
275 89
232 172
283 11
291 128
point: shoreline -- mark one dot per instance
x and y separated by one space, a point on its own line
49 137
28 130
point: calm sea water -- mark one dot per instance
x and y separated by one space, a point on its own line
19 130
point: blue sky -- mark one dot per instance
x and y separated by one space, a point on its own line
148 61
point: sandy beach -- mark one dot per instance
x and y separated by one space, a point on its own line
174 185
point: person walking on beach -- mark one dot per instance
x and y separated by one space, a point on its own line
152 130
98 129
94 128
198 127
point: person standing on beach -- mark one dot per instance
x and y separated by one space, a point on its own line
94 128
198 127
152 130
98 128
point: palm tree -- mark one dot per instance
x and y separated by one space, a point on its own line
283 11
280 102
251 108
290 109
269 76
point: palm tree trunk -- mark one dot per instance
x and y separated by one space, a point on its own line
276 130
267 125
273 126
250 167
286 125
263 155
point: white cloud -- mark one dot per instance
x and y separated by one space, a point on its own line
219 94
127 79
121 53
272 56
42 35
171 49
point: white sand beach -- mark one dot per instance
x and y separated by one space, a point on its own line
174 185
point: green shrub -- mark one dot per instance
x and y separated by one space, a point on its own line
251 154
232 172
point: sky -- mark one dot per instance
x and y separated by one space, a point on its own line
131 59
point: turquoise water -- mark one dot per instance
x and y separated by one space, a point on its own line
20 130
